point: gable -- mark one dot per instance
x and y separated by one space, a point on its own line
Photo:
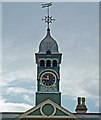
60 113
47 109
36 112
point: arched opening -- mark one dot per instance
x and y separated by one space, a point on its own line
42 63
54 63
48 63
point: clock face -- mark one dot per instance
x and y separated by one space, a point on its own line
48 79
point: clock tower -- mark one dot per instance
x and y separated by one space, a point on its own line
48 95
48 61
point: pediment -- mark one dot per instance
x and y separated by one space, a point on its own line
47 109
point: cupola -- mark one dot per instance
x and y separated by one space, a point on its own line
48 44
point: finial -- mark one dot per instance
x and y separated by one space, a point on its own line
48 19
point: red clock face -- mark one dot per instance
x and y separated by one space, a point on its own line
48 79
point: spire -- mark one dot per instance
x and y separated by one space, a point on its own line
48 19
48 44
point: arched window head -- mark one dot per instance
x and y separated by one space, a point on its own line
54 63
42 63
48 63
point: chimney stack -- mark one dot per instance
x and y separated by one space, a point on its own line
81 107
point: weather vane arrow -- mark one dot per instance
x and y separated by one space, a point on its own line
48 19
46 4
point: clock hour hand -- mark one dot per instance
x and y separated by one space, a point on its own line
46 78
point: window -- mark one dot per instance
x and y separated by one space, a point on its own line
54 63
42 63
48 52
48 63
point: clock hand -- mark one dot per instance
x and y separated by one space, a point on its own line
45 78
48 77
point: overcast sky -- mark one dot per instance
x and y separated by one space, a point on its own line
76 31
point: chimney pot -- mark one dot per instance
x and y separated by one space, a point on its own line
83 101
79 100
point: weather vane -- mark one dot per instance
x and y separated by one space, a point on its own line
47 18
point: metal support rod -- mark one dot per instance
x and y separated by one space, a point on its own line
48 16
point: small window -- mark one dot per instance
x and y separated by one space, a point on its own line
48 52
48 63
54 63
42 63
